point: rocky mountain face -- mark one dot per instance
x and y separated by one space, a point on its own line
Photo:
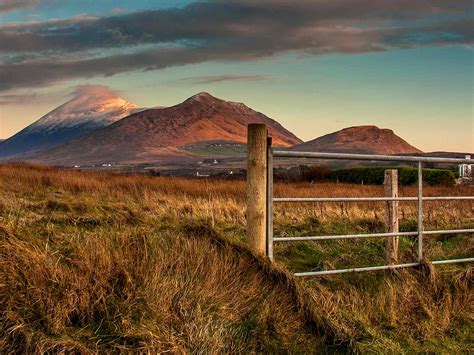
158 134
88 111
359 139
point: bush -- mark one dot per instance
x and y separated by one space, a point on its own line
406 175
302 173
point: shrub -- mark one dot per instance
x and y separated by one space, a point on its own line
406 175
302 173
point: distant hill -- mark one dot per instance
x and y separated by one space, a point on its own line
92 108
359 139
159 134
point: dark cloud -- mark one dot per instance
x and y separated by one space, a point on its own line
41 54
29 97
15 99
11 5
44 73
214 21
210 79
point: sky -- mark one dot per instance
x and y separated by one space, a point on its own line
316 66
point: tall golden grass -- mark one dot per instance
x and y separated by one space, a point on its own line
225 200
106 262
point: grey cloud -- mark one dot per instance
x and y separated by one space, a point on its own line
29 97
45 73
23 97
11 5
210 79
42 54
15 99
212 21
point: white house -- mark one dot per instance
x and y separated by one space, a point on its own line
465 170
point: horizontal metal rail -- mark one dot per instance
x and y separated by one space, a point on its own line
369 199
453 261
343 156
370 235
383 267
342 236
449 231
356 269
446 198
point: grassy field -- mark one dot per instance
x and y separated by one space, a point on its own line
108 262
217 148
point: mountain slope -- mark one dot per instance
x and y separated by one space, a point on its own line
159 134
92 108
359 139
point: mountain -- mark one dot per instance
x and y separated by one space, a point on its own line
359 139
160 134
92 108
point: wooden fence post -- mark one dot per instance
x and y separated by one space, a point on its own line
269 199
257 187
391 214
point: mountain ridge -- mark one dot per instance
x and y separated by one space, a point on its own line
168 134
158 133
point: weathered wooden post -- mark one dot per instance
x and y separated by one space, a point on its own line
391 214
269 199
257 187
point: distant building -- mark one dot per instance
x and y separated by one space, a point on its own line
465 170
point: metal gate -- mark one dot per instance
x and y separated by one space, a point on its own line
419 233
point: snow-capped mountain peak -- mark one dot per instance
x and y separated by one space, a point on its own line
92 107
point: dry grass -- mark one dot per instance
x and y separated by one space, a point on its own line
128 291
108 262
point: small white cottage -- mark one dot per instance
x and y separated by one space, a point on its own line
465 170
